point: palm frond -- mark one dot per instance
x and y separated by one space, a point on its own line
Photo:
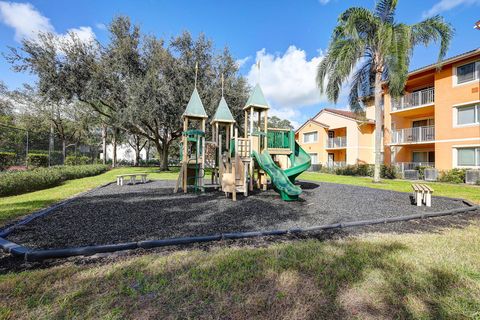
433 29
385 10
360 85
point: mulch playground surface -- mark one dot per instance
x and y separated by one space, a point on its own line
116 214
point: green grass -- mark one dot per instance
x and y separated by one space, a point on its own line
428 275
16 206
416 276
463 191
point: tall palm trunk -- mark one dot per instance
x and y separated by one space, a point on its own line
378 126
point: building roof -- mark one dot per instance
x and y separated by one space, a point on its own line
223 113
452 59
195 107
257 99
346 113
314 121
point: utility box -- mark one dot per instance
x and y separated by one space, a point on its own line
410 174
430 174
472 176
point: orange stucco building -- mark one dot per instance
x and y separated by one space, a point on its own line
436 123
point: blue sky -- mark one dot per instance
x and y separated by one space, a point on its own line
289 37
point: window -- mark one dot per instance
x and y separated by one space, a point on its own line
310 137
423 156
468 114
468 72
314 158
468 157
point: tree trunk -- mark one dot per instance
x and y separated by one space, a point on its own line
114 144
137 154
378 126
165 158
64 150
51 145
147 152
104 143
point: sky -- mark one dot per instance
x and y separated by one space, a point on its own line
288 37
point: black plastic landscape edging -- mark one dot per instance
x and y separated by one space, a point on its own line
37 255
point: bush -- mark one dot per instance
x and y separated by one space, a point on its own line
76 161
13 183
38 159
366 170
7 159
388 172
453 176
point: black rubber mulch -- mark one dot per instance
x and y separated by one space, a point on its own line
115 214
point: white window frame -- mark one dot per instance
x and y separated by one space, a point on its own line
455 156
477 73
465 105
310 132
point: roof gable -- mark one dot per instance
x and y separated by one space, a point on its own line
223 114
195 107
257 99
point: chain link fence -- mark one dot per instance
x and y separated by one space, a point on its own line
20 148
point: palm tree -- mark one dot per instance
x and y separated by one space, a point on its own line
369 48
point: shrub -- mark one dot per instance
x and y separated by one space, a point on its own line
388 172
77 160
7 159
38 159
453 176
13 183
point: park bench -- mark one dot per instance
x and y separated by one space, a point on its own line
422 194
133 178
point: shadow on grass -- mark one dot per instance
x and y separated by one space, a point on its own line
303 280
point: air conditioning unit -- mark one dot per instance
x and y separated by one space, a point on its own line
315 167
431 174
410 174
472 176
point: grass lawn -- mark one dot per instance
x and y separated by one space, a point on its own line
463 191
375 276
16 206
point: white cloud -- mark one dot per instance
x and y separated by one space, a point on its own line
324 1
23 17
101 26
28 22
445 5
287 80
241 62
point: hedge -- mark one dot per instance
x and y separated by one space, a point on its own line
38 159
13 183
366 170
7 159
75 161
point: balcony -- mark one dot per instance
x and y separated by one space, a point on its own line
414 135
336 164
425 97
337 142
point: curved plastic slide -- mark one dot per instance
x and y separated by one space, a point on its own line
301 161
283 180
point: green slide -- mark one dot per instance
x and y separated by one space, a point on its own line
283 180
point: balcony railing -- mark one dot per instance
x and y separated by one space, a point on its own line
402 166
414 135
336 164
337 142
414 99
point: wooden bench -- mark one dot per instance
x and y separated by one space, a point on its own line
422 194
133 178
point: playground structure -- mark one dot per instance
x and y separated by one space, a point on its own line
238 164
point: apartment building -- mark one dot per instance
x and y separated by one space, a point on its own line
436 123
336 138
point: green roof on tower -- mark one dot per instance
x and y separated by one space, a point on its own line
195 107
223 113
257 99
